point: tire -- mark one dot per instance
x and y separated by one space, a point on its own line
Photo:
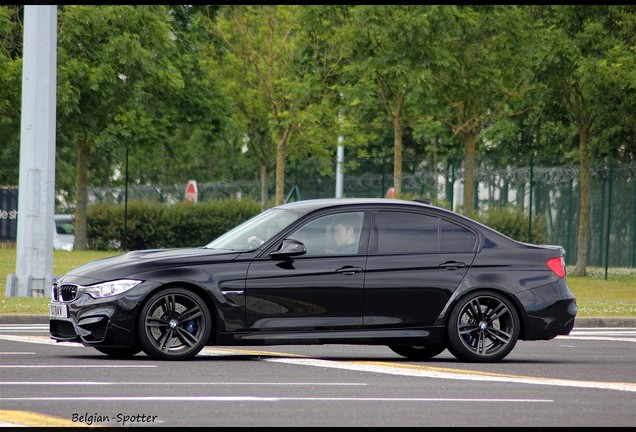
482 327
418 352
174 324
120 353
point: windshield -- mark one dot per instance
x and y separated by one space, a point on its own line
255 231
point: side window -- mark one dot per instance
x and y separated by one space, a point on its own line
401 232
456 238
336 234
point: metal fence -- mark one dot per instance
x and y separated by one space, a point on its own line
549 192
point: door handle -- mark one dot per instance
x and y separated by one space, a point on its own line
349 270
452 265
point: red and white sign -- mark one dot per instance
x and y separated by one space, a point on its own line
191 193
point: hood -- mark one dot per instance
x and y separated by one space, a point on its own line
131 263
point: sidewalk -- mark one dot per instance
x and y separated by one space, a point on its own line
578 322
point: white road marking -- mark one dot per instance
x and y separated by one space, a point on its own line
74 366
261 399
16 353
97 383
600 338
448 373
374 367
42 340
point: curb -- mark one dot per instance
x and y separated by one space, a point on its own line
578 322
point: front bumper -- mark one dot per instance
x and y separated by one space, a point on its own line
105 322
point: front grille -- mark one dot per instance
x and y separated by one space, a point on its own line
67 293
62 329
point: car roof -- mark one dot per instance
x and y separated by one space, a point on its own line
321 203
308 206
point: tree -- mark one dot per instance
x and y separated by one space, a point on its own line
262 40
11 32
111 61
392 48
588 66
488 74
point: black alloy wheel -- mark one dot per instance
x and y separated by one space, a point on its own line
117 352
483 327
174 324
418 352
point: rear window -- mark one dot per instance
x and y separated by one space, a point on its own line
401 232
64 226
456 238
413 233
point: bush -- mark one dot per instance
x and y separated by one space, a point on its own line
514 223
155 225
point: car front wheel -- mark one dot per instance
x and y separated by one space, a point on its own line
483 327
174 324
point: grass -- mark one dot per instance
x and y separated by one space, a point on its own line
596 297
63 261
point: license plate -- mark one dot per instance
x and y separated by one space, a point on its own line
58 310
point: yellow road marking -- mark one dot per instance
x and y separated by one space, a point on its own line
27 418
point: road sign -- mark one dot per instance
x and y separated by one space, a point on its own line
191 193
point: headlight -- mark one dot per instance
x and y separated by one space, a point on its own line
106 289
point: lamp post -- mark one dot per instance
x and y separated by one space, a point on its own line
124 79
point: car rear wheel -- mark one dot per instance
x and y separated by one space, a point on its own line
483 327
418 352
119 352
174 324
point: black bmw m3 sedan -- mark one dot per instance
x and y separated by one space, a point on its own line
409 275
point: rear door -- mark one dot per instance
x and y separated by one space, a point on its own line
416 260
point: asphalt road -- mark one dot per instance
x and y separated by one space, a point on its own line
585 379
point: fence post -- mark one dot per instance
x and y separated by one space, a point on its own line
609 219
452 188
530 200
383 191
634 224
568 222
601 225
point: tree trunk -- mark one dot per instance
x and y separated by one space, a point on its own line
397 154
584 211
81 196
398 132
280 165
469 173
264 187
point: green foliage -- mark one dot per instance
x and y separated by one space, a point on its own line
513 223
155 225
105 222
10 85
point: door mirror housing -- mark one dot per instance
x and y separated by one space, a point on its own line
289 248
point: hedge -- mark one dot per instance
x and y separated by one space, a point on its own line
153 225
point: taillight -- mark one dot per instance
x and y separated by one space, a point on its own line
557 265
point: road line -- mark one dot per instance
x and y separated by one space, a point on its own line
447 373
378 367
42 340
74 366
262 399
13 418
16 353
600 338
97 383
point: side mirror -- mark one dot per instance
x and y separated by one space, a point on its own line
289 248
